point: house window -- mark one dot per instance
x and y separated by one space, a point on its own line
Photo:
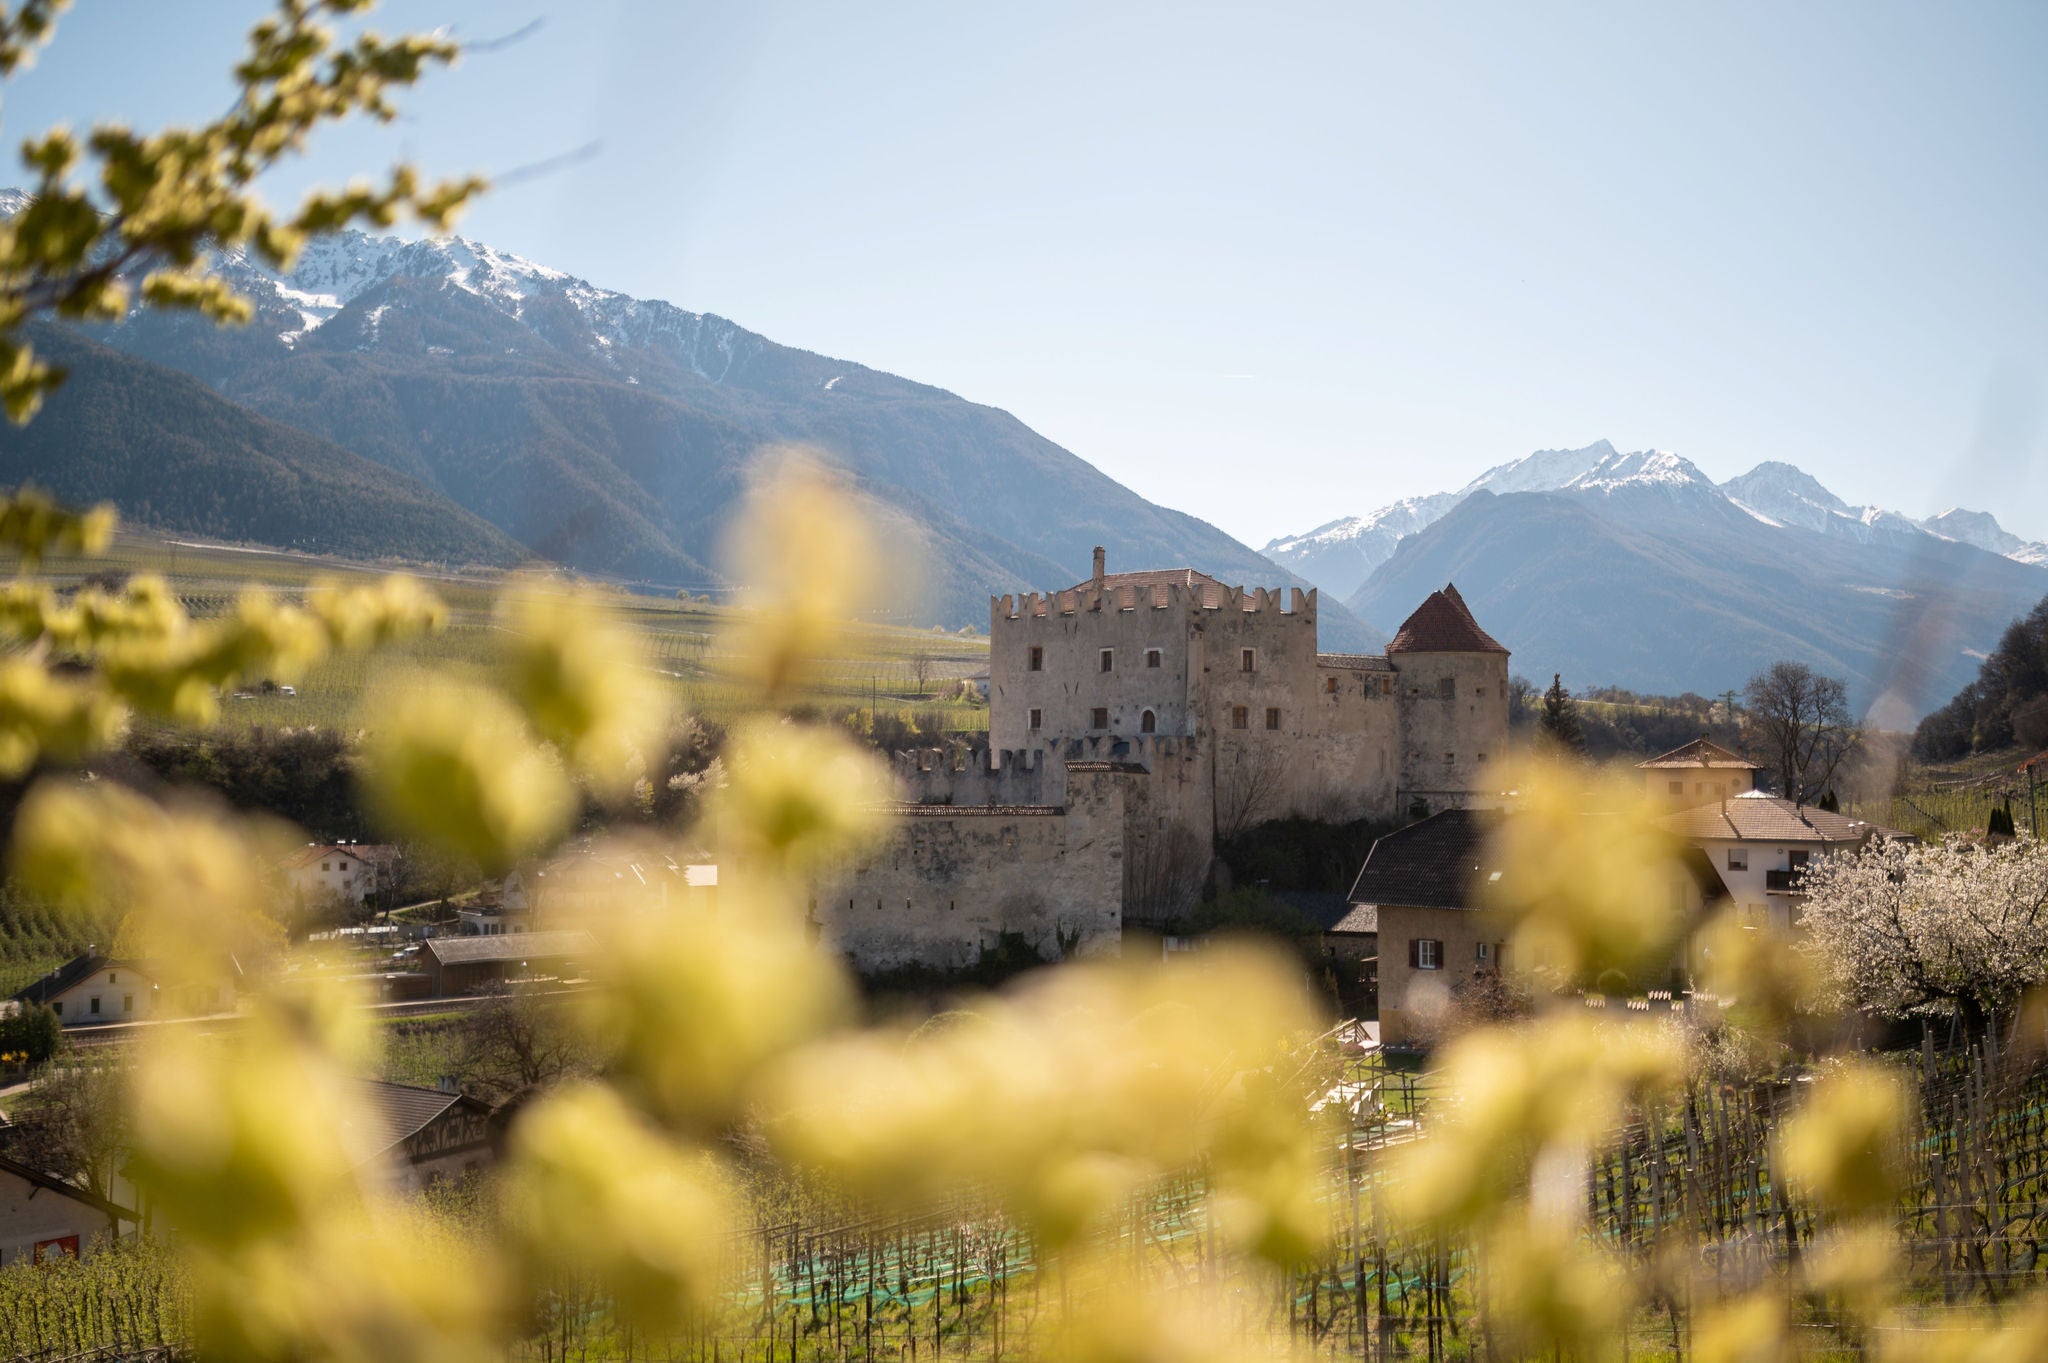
1484 953
58 1008
127 1003
1329 686
1098 718
1148 723
112 978
1108 659
1247 660
1425 953
324 866
1447 688
1738 858
1037 658
1240 717
1677 787
1038 719
1151 657
94 1006
1272 719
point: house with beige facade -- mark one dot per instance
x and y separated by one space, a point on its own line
1698 772
1761 846
1427 889
94 989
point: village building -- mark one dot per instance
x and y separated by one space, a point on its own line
347 872
1761 846
1427 887
95 989
422 1136
44 1218
1697 773
468 965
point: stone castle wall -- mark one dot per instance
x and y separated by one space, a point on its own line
1454 724
954 880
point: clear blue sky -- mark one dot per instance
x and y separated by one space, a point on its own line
1276 264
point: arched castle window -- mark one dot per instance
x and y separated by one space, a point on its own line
1148 723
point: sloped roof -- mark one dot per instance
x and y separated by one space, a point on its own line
1362 919
394 1112
1701 752
1443 624
517 946
75 971
1704 873
28 1173
1434 864
1769 818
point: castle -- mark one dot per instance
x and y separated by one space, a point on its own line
1137 718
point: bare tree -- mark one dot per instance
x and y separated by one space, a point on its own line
76 1124
1248 785
1800 721
921 669
514 1045
1163 872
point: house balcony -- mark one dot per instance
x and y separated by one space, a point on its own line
1785 882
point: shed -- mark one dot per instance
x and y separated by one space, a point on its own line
462 965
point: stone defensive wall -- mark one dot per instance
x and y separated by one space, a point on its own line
970 775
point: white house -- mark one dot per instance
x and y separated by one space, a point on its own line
1699 772
350 871
92 989
1761 844
44 1218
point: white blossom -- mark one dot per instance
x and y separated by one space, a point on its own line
1905 929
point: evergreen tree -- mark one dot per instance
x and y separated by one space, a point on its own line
1829 803
2000 823
1560 720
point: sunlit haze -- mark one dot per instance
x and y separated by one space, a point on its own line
1271 270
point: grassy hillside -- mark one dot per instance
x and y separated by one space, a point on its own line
175 456
878 669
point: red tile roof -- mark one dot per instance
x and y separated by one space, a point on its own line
1443 624
1701 752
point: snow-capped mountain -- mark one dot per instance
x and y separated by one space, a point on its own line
614 434
1341 555
1982 529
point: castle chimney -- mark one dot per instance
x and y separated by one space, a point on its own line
1101 558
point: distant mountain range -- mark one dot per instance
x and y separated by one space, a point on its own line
613 434
1340 555
1637 569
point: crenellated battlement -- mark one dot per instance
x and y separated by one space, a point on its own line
975 774
1160 596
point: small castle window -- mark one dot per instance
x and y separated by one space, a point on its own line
1240 717
1037 658
1330 686
1247 660
1479 691
1447 688
1098 718
1449 758
1151 657
1272 719
1148 723
1108 659
1038 719
1386 686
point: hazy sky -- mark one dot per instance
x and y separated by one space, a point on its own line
1273 264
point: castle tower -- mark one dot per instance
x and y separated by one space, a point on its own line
1452 678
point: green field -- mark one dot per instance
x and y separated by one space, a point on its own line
682 643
